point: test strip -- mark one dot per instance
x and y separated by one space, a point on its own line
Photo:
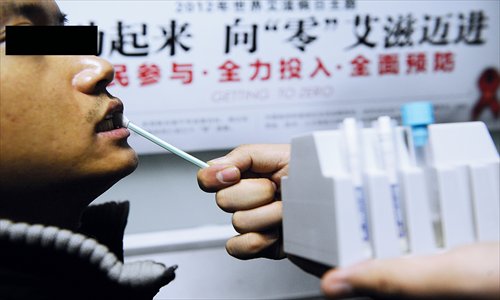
163 144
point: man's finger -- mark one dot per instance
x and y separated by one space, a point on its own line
216 177
379 278
258 219
246 194
466 272
251 245
260 159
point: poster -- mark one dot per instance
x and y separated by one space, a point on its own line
216 74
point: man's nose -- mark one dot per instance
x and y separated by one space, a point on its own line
96 73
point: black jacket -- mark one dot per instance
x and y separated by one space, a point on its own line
46 262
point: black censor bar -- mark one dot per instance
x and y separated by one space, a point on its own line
51 40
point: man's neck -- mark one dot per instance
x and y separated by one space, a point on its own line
61 210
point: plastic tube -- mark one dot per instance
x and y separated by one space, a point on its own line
386 139
417 116
350 127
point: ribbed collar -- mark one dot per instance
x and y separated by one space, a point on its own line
24 242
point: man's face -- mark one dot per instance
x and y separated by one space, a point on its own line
50 108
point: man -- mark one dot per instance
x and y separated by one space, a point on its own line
247 181
61 146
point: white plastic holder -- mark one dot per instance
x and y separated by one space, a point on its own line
381 214
321 219
455 205
485 192
383 230
415 195
466 165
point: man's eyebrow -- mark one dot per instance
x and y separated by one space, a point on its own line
33 12
39 14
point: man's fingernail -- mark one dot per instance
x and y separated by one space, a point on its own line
228 175
338 289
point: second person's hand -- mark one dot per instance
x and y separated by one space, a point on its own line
247 184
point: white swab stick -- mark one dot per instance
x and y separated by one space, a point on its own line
163 144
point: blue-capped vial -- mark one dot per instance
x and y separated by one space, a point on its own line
417 116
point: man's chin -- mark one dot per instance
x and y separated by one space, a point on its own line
115 168
129 162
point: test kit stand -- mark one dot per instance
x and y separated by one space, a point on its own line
357 193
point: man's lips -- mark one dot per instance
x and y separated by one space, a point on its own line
118 133
112 118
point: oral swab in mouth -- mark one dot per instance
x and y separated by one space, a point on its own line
127 124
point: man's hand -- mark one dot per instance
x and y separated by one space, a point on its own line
467 272
247 184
